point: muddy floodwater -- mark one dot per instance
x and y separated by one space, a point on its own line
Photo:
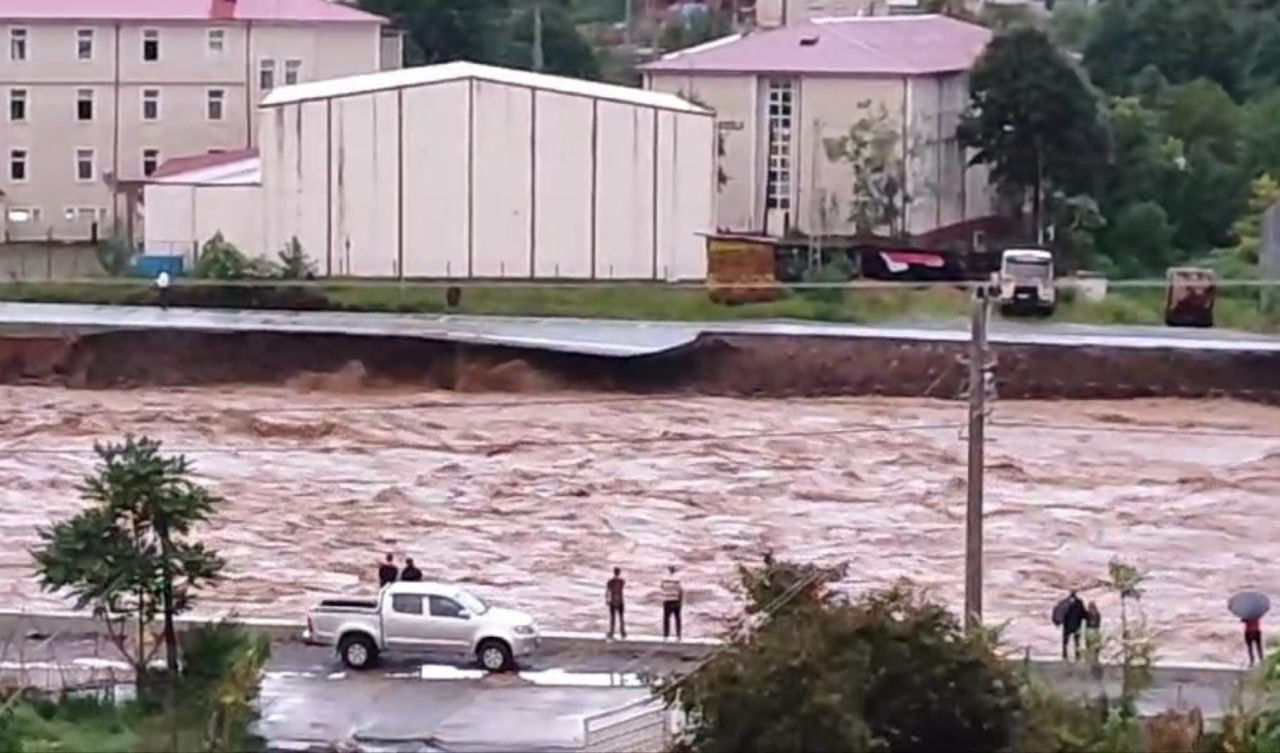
532 498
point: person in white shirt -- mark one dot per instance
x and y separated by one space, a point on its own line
162 286
672 601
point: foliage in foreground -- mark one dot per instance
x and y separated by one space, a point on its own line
210 708
892 671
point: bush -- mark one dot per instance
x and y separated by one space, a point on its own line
116 256
294 262
221 260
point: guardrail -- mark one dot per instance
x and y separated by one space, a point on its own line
645 726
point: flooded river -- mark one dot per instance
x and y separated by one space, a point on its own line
533 498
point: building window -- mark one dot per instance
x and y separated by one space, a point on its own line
150 161
17 105
19 215
84 44
84 165
778 182
214 105
84 104
217 42
151 104
150 45
292 69
267 75
17 45
18 167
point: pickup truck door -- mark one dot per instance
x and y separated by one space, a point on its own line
450 623
405 624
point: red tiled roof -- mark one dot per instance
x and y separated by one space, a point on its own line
179 165
282 11
853 46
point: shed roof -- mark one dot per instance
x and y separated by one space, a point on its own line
241 167
406 78
228 11
917 45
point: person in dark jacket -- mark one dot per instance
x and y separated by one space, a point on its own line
1253 638
388 572
411 573
614 599
1072 621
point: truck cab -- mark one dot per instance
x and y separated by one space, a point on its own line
1026 282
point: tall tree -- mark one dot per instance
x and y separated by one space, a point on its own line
440 31
128 556
1033 119
541 35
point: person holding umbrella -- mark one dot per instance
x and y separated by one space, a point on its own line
1250 607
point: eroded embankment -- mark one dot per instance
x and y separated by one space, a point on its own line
765 365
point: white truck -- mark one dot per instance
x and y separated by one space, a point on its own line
417 617
1026 282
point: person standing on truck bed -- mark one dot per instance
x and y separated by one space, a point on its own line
613 598
388 572
411 573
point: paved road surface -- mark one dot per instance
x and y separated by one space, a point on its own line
597 336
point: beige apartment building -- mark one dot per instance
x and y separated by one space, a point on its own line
786 98
97 93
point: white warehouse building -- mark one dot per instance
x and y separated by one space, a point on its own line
468 171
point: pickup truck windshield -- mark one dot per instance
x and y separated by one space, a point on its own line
472 604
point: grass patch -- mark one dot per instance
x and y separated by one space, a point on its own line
1237 308
75 725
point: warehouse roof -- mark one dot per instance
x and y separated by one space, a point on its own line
335 88
281 11
848 45
241 167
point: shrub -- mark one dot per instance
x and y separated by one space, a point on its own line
294 262
115 256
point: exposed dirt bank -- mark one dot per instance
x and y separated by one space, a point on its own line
715 365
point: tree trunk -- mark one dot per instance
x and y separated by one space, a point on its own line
1037 198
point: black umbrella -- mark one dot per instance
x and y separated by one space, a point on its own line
1249 605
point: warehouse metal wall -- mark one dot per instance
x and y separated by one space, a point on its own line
484 179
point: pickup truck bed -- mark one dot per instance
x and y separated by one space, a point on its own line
348 605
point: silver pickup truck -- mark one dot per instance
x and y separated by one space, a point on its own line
422 618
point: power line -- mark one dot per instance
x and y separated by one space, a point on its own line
1109 429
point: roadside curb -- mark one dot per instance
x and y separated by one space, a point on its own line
290 631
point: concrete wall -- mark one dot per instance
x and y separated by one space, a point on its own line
117 74
179 218
485 179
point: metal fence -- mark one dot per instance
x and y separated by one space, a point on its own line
646 726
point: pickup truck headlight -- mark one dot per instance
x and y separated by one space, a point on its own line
525 630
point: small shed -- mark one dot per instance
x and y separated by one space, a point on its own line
189 199
470 171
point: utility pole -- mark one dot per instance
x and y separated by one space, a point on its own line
538 57
977 461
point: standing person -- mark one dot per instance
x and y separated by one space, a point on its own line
1072 619
1092 632
388 572
162 289
672 601
613 598
1253 638
411 573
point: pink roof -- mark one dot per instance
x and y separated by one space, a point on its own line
853 46
179 165
280 11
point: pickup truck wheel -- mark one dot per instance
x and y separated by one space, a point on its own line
495 655
358 651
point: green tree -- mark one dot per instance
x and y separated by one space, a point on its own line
1261 133
441 31
1033 120
889 672
555 48
1201 113
129 556
1184 40
1139 239
871 150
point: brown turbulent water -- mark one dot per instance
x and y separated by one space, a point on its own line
532 498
